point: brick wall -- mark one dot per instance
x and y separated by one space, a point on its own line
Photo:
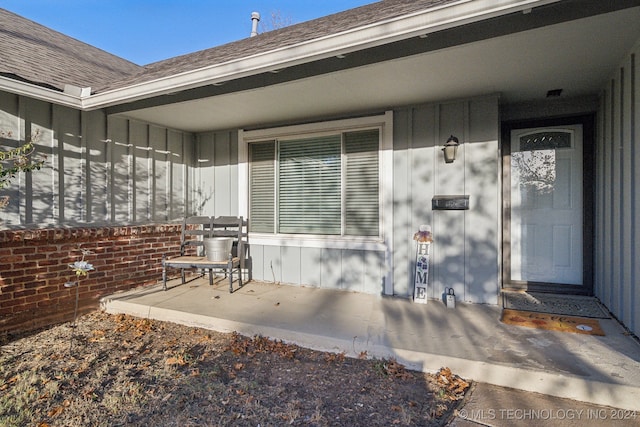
34 266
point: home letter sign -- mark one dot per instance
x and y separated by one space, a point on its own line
422 273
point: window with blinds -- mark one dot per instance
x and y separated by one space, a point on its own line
324 185
262 183
362 178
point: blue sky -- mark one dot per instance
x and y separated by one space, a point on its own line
145 31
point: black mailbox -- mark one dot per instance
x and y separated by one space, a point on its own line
450 203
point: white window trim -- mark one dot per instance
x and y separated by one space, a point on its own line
382 243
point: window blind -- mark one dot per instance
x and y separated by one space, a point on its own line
263 187
362 201
325 185
309 193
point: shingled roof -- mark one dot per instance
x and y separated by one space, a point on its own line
278 39
39 55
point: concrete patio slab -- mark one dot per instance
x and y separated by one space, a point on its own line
470 339
489 405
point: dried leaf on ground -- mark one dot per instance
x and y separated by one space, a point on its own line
128 371
455 386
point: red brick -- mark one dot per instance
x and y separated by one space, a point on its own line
103 244
45 290
24 293
34 298
45 276
64 293
10 259
23 266
16 274
17 302
48 262
85 283
5 310
125 257
58 268
69 248
46 303
30 306
35 284
11 288
24 250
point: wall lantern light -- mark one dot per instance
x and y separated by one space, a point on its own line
450 149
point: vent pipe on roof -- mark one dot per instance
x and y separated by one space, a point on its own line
255 18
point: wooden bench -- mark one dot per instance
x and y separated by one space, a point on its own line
197 228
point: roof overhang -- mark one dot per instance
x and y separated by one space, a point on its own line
420 24
519 48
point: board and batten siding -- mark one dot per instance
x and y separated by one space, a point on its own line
216 176
329 268
98 169
465 254
617 211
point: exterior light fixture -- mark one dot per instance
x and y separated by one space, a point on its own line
450 149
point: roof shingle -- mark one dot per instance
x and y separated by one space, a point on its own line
277 39
37 54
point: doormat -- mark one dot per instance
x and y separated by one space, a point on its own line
569 305
552 322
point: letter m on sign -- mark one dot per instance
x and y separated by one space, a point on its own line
421 277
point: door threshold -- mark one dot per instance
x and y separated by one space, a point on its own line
548 288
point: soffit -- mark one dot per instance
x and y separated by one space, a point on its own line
578 56
283 38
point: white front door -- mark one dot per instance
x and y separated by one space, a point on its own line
546 205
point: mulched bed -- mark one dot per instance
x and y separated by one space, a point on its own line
117 370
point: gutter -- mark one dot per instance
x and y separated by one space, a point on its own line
417 24
38 92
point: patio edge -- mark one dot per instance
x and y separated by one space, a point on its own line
563 386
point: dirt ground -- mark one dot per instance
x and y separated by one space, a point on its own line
117 370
